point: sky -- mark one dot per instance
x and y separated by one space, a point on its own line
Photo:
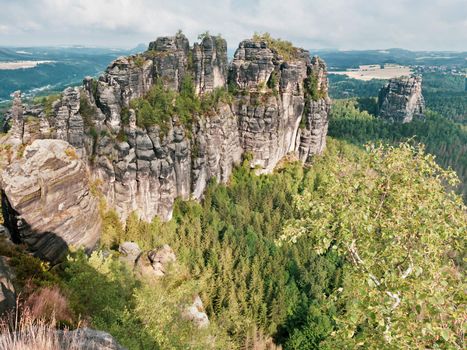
340 24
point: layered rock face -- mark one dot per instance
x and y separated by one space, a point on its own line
210 64
280 107
46 200
16 115
401 100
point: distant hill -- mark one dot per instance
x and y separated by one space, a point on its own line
341 59
68 67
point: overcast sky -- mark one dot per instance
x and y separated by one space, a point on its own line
344 24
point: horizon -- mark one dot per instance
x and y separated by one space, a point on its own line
350 25
127 48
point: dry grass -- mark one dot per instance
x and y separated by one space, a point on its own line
30 334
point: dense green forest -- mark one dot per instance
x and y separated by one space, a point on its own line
442 137
444 93
269 256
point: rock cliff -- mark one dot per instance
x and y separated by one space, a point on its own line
46 201
278 105
401 100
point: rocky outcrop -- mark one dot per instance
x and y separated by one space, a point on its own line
280 106
156 262
196 313
89 339
46 200
129 251
170 55
17 119
210 64
401 100
280 115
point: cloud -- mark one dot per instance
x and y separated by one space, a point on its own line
357 24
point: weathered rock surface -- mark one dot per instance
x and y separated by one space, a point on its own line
89 339
196 313
210 64
7 290
17 119
156 262
401 100
129 251
46 200
170 59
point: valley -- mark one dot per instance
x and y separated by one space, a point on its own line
174 198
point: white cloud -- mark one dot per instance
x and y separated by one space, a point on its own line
413 24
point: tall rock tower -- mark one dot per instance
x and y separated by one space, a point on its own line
401 100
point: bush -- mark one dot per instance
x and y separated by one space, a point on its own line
49 304
283 47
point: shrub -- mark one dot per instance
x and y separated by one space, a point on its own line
283 47
48 102
87 111
71 153
49 304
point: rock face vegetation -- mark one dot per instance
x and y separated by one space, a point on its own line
180 201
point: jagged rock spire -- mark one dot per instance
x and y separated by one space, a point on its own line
401 100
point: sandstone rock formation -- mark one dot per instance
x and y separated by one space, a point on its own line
129 251
89 339
46 200
401 100
156 262
196 313
210 64
17 119
280 107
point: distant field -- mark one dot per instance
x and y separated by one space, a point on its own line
376 73
21 64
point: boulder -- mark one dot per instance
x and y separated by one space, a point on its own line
47 202
156 262
129 251
89 339
196 313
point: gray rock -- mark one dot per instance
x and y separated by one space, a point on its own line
4 233
16 115
401 100
129 251
47 200
89 339
196 313
170 56
210 64
146 169
156 262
